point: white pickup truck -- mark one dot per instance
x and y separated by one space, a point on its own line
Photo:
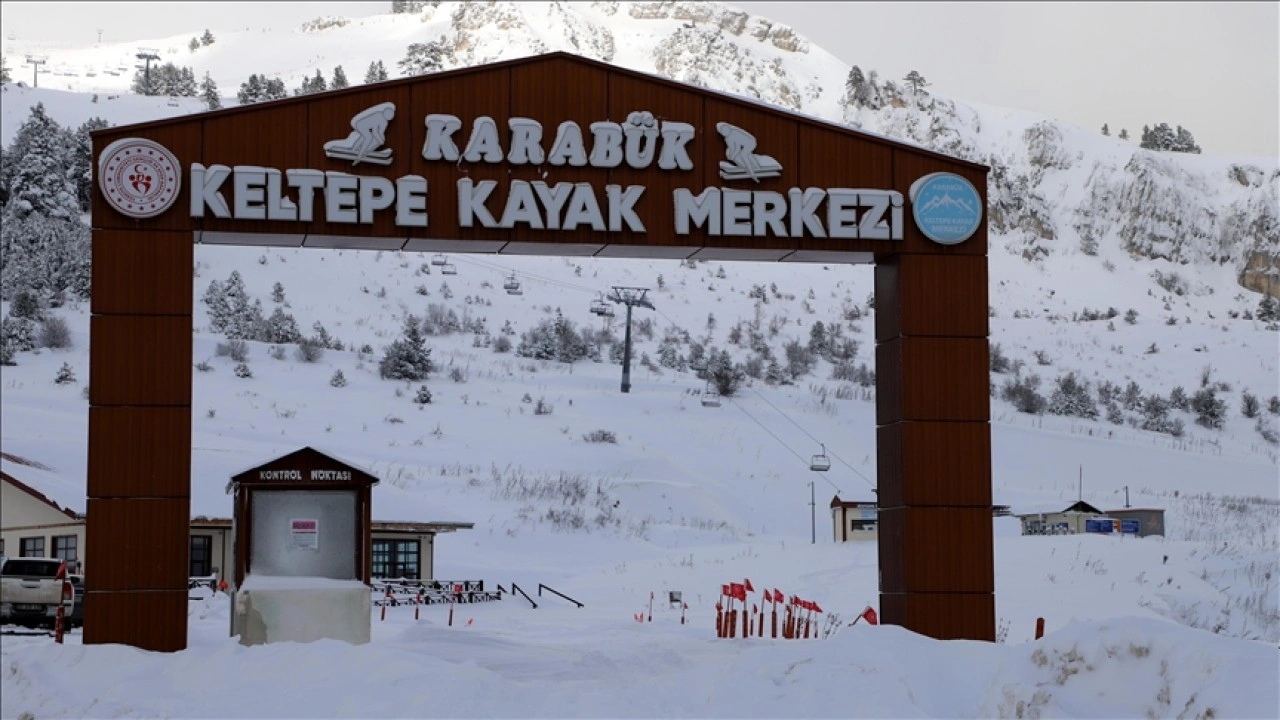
31 589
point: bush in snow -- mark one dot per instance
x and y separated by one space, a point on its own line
237 350
723 373
338 380
18 333
502 344
1210 410
309 350
55 334
65 375
1273 405
1072 397
1249 405
423 397
242 371
600 436
1023 394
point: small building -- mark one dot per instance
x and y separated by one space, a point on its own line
34 524
854 520
1140 521
1057 520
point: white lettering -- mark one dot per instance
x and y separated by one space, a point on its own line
411 201
376 193
842 216
204 190
622 207
737 211
280 475
250 184
307 182
340 197
471 202
341 475
804 211
484 143
641 132
279 207
568 147
702 209
768 210
583 208
675 136
606 144
895 215
873 225
439 144
526 141
553 199
521 207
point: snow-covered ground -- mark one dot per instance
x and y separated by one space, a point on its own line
688 497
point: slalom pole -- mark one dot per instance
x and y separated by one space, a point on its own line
650 606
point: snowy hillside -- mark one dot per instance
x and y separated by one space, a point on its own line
1117 264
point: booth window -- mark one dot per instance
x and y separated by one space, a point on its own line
201 556
31 547
395 559
64 547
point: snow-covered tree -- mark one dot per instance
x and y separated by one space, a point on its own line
313 84
80 170
1268 309
34 174
280 328
65 375
376 73
1106 130
194 45
209 93
724 374
339 80
338 379
206 38
166 79
1163 138
916 81
1210 410
5 77
260 88
48 256
1124 134
423 58
1072 397
408 357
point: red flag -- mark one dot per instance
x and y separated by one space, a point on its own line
747 585
817 607
457 588
739 591
778 596
870 616
724 590
795 599
767 596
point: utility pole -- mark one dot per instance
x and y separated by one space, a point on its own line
1126 496
146 55
813 517
631 297
35 61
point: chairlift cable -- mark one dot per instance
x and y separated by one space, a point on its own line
811 437
802 458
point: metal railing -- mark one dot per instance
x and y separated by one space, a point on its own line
548 588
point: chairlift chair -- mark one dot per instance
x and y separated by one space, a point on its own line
512 286
448 269
607 312
438 260
820 462
598 307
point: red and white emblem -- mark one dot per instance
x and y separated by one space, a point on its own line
139 178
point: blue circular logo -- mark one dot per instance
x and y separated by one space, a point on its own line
947 208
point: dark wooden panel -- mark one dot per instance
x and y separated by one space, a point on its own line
934 463
121 259
941 549
830 158
139 451
137 544
932 295
943 616
467 97
909 166
552 92
150 620
140 360
273 137
629 94
941 379
892 550
329 118
183 140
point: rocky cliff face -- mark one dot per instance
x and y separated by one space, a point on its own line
1053 188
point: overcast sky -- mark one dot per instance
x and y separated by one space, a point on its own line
1213 68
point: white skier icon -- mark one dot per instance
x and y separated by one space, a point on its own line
364 143
743 162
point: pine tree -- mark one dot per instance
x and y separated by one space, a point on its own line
80 171
194 45
338 380
1124 134
423 58
818 342
339 79
207 38
1106 130
209 93
423 397
407 358
724 374
65 375
1249 405
376 73
916 81
274 89
4 70
1073 398
277 292
36 171
215 299
1268 309
280 328
1210 410
251 90
49 256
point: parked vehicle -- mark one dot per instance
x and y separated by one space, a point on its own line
76 618
31 589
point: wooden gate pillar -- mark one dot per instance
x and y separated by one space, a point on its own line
933 440
139 469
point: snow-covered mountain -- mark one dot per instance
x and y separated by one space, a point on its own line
1109 262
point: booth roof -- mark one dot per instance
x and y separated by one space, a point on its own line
323 451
